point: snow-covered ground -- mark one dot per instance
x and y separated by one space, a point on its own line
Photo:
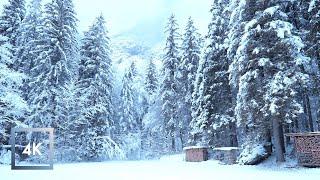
165 169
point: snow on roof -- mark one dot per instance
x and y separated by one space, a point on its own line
226 148
195 147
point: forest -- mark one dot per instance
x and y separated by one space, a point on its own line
246 83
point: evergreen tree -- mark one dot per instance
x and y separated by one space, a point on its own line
51 74
130 120
270 66
313 46
29 33
214 117
93 126
235 31
151 80
12 105
299 16
10 20
314 26
186 75
168 90
151 143
195 132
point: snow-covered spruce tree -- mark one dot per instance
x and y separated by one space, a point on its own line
313 46
313 30
10 20
141 96
12 105
26 43
140 99
235 31
130 123
168 89
237 18
51 74
197 96
243 11
151 79
128 119
151 133
92 127
191 47
298 15
270 66
213 123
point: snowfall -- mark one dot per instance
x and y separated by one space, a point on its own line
169 167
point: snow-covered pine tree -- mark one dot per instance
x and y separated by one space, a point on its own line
243 12
270 66
313 47
10 20
299 16
140 96
235 31
191 47
214 122
151 143
168 89
26 43
197 96
28 35
51 73
130 122
128 119
12 105
314 27
94 123
151 79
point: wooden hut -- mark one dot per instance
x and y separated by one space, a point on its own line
307 146
226 155
196 153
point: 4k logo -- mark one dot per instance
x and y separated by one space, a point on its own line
32 149
35 149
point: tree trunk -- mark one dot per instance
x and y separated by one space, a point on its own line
269 141
287 130
173 145
282 138
182 140
305 122
296 125
277 140
309 113
233 134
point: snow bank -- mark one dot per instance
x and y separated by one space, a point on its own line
252 155
5 157
165 169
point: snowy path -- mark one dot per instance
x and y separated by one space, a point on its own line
164 169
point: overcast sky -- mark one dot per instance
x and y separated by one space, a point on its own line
144 19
